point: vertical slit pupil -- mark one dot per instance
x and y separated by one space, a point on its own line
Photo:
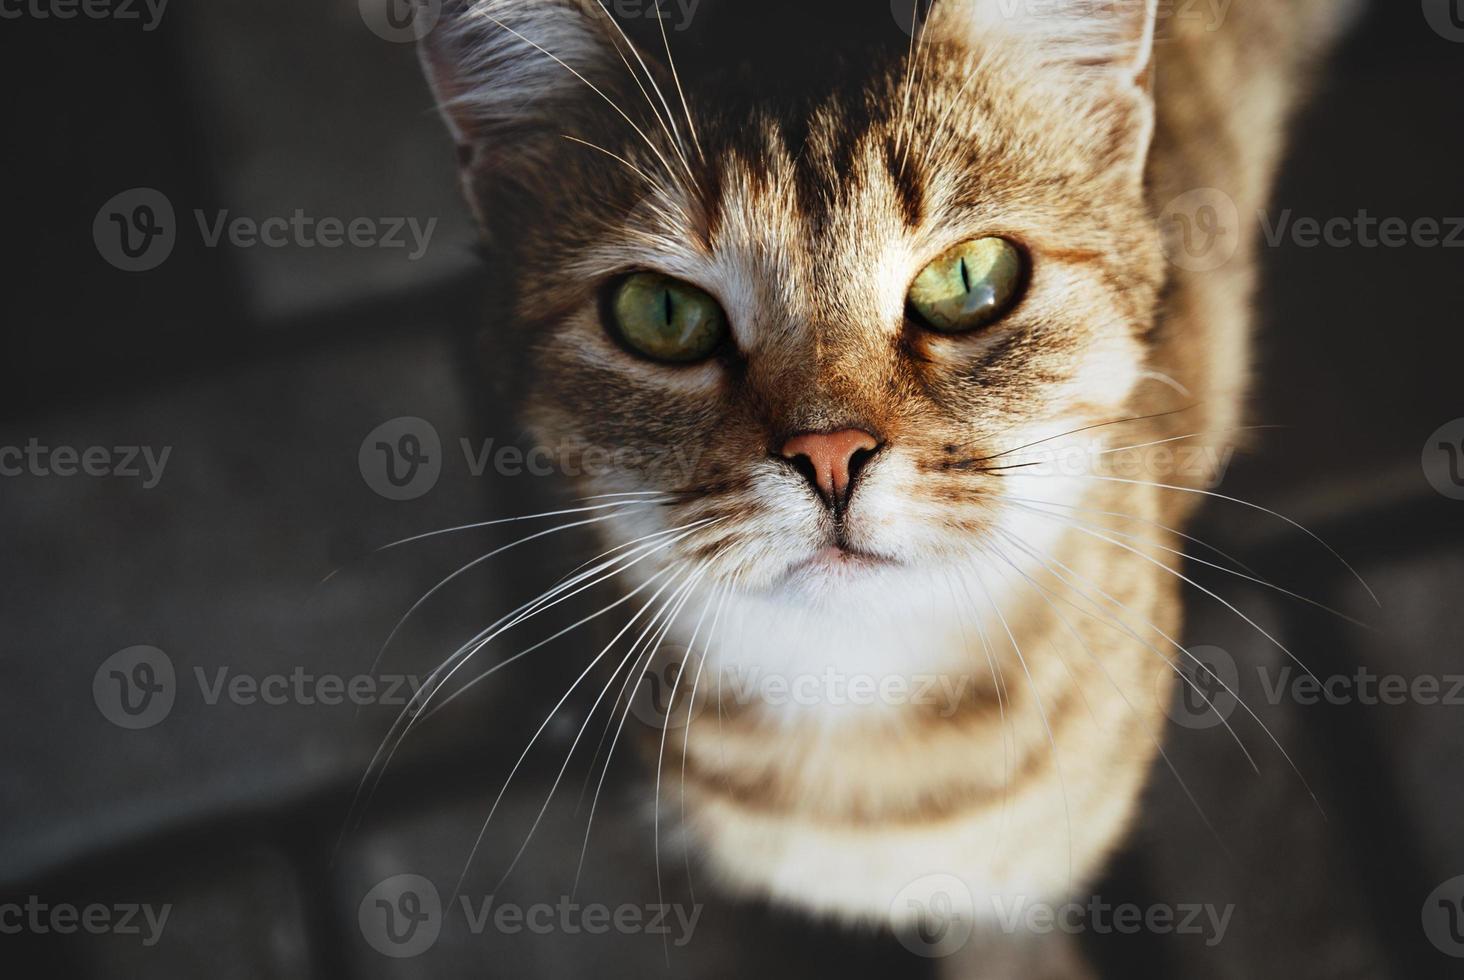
666 305
965 275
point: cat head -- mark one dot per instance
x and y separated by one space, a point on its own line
818 294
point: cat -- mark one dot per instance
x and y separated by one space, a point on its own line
878 324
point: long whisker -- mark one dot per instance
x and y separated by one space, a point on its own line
1050 561
1141 520
1208 564
1042 713
900 130
1047 561
661 752
653 647
1246 503
668 123
1044 593
655 185
691 716
1005 725
680 92
477 843
1179 575
540 605
631 658
482 12
422 699
513 520
442 706
1146 445
1070 432
376 661
480 524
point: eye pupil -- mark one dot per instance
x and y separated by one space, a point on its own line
971 285
665 319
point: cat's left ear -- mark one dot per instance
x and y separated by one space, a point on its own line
1106 40
1100 51
511 77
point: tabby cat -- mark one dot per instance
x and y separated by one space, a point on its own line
878 315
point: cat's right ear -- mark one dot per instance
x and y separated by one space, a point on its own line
511 77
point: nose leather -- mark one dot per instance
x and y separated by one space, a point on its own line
830 455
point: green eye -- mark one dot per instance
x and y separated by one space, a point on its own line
969 286
667 319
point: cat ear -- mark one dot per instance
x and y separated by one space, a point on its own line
511 76
1107 40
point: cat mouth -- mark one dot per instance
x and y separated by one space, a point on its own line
837 560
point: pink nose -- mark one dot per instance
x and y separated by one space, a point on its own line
831 460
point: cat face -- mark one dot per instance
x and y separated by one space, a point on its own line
790 420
